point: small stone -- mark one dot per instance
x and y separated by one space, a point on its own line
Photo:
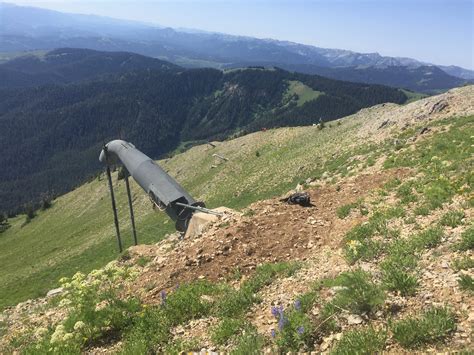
179 330
354 319
54 292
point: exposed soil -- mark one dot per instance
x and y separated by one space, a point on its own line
275 232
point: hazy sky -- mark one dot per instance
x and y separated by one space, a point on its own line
436 31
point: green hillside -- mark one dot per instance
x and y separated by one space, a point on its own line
77 233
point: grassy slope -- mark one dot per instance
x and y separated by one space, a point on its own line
413 96
304 92
77 232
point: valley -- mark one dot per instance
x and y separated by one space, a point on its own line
54 131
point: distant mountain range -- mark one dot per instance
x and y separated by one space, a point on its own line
28 29
64 66
51 134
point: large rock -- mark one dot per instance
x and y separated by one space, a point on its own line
201 221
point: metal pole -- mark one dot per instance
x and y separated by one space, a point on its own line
119 240
200 209
132 217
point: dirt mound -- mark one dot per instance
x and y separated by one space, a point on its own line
269 231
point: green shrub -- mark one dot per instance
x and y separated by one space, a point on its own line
466 283
392 183
398 211
151 329
359 244
370 161
364 341
94 310
344 211
430 238
326 322
295 329
143 261
249 343
464 263
422 211
362 250
467 239
431 327
398 269
380 220
226 329
395 279
452 218
437 192
179 346
235 303
406 194
359 294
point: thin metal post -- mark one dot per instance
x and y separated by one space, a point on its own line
132 217
200 209
119 240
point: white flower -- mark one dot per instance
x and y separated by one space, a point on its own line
58 334
40 332
65 302
68 336
79 325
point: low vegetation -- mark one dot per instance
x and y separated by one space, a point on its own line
399 269
432 326
361 341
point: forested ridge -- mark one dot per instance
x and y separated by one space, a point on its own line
51 135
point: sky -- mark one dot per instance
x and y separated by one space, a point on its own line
434 31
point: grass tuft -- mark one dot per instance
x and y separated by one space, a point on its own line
467 239
433 326
235 303
430 238
358 293
361 341
225 330
398 269
452 218
466 283
464 263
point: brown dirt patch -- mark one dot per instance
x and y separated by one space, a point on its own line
276 232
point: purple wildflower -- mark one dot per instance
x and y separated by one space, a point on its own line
300 330
273 332
282 321
298 305
163 296
277 312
